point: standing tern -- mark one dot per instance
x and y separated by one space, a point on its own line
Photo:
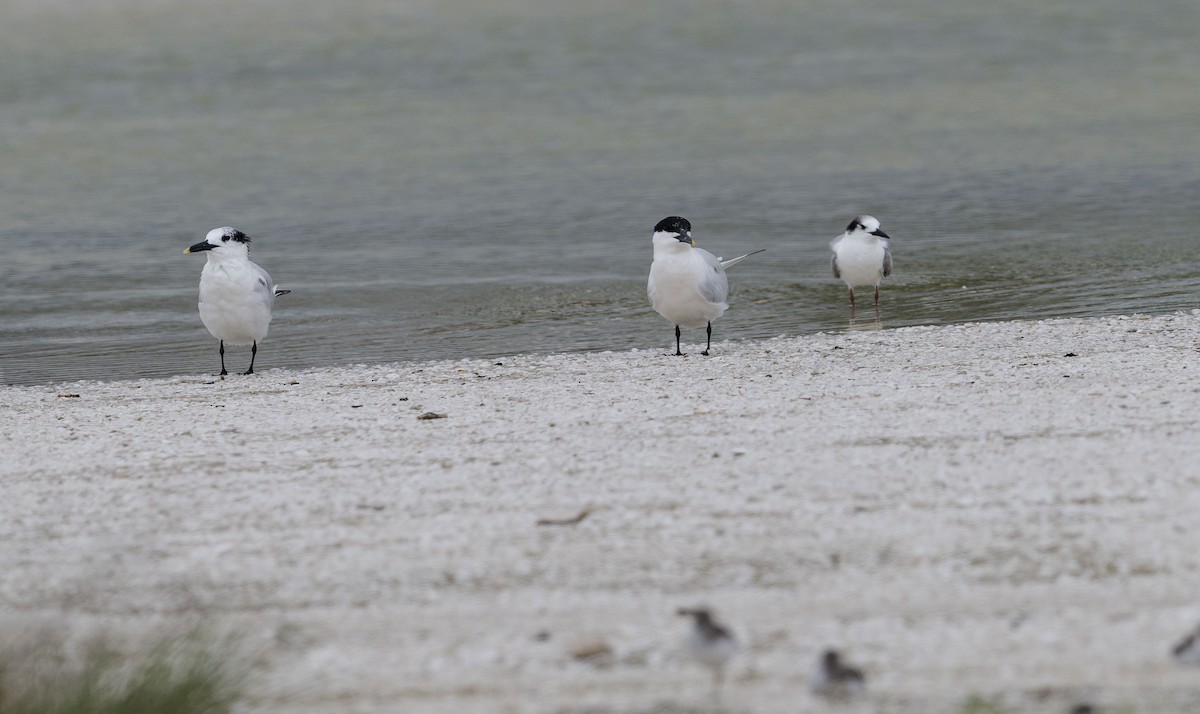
236 295
861 255
687 284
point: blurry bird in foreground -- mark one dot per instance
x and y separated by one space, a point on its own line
709 642
835 679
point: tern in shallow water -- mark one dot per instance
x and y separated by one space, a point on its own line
236 295
687 284
861 255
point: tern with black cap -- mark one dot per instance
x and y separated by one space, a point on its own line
687 284
236 295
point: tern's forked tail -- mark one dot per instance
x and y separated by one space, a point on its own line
727 264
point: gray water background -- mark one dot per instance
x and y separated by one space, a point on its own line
476 178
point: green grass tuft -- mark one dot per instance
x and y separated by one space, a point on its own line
976 704
187 675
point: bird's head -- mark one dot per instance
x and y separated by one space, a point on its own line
867 224
222 242
699 614
673 232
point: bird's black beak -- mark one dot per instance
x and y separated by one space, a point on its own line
878 232
201 246
685 237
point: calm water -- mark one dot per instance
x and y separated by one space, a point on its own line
481 177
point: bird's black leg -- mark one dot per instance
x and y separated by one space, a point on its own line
851 297
678 352
253 352
223 372
876 294
709 343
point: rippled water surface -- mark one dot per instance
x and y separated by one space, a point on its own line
481 177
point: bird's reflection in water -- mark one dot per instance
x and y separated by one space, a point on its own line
871 320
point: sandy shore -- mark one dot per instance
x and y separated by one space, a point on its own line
1003 509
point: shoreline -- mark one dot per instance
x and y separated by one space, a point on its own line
1002 508
695 343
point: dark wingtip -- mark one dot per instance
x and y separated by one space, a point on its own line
1184 646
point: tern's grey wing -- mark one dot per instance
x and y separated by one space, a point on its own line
887 261
262 284
837 273
714 286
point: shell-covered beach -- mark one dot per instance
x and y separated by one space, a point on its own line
1003 511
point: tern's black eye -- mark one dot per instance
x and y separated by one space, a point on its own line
237 236
855 225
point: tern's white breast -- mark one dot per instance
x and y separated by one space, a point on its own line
235 301
674 288
860 259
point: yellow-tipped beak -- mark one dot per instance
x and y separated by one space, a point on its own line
201 246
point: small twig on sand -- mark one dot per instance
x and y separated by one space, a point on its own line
564 521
